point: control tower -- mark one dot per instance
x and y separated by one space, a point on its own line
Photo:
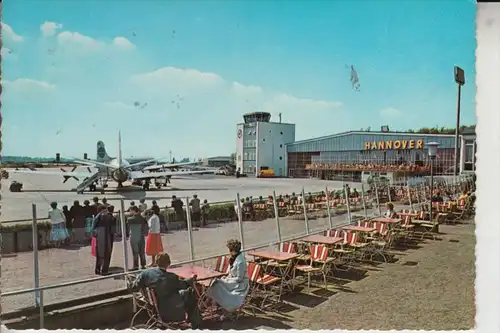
261 144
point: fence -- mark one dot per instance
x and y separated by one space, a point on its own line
281 217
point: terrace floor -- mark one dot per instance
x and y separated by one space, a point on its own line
428 288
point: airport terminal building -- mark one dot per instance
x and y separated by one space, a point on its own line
263 145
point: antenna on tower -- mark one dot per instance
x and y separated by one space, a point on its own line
279 115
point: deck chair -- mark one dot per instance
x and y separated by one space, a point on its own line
320 264
287 247
263 285
222 264
155 319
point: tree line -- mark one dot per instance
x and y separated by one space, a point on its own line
441 130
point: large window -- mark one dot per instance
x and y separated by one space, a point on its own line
470 158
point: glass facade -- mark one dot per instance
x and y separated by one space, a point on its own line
361 151
249 148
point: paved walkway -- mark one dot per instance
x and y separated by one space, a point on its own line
63 265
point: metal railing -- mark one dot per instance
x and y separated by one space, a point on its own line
38 290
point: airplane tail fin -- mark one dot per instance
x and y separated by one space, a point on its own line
119 149
102 155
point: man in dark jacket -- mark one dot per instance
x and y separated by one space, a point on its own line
137 228
175 296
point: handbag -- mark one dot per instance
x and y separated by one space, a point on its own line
93 246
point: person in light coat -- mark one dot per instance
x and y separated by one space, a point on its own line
230 291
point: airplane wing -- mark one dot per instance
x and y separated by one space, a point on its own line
154 175
54 173
169 166
95 164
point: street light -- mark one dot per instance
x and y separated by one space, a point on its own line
432 150
460 80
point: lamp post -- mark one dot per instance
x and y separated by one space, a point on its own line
460 80
432 150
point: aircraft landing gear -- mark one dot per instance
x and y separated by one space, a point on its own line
92 188
158 185
120 185
145 185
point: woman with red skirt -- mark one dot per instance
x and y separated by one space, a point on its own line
154 245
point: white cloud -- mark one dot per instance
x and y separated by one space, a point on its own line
390 112
69 38
182 80
27 85
215 100
49 29
9 34
76 40
123 43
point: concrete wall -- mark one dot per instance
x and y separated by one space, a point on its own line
271 146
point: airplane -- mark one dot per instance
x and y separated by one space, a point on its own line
117 169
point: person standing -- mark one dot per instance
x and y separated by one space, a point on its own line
105 202
154 245
177 206
143 206
69 223
103 231
204 212
77 214
58 222
88 215
95 204
195 210
137 228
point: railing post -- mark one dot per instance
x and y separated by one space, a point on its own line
348 206
409 195
304 207
123 228
240 220
364 199
189 230
36 272
276 217
377 198
42 312
330 224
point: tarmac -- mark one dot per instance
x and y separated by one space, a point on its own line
76 263
42 190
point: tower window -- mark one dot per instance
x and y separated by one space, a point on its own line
281 146
281 133
281 158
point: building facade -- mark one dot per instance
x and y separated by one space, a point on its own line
217 161
356 150
261 144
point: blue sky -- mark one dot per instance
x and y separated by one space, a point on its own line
74 70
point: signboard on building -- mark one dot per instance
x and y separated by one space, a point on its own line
394 144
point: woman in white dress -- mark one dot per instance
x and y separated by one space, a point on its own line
58 223
230 291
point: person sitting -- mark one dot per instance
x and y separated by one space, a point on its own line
175 296
390 213
463 196
230 291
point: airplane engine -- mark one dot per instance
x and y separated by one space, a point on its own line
120 175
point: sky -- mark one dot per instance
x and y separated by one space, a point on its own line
178 75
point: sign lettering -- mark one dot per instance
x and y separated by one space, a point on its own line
394 144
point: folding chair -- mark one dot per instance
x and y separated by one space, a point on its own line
319 255
380 245
222 264
263 284
154 313
287 247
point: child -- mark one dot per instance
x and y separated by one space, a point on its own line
154 244
204 212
